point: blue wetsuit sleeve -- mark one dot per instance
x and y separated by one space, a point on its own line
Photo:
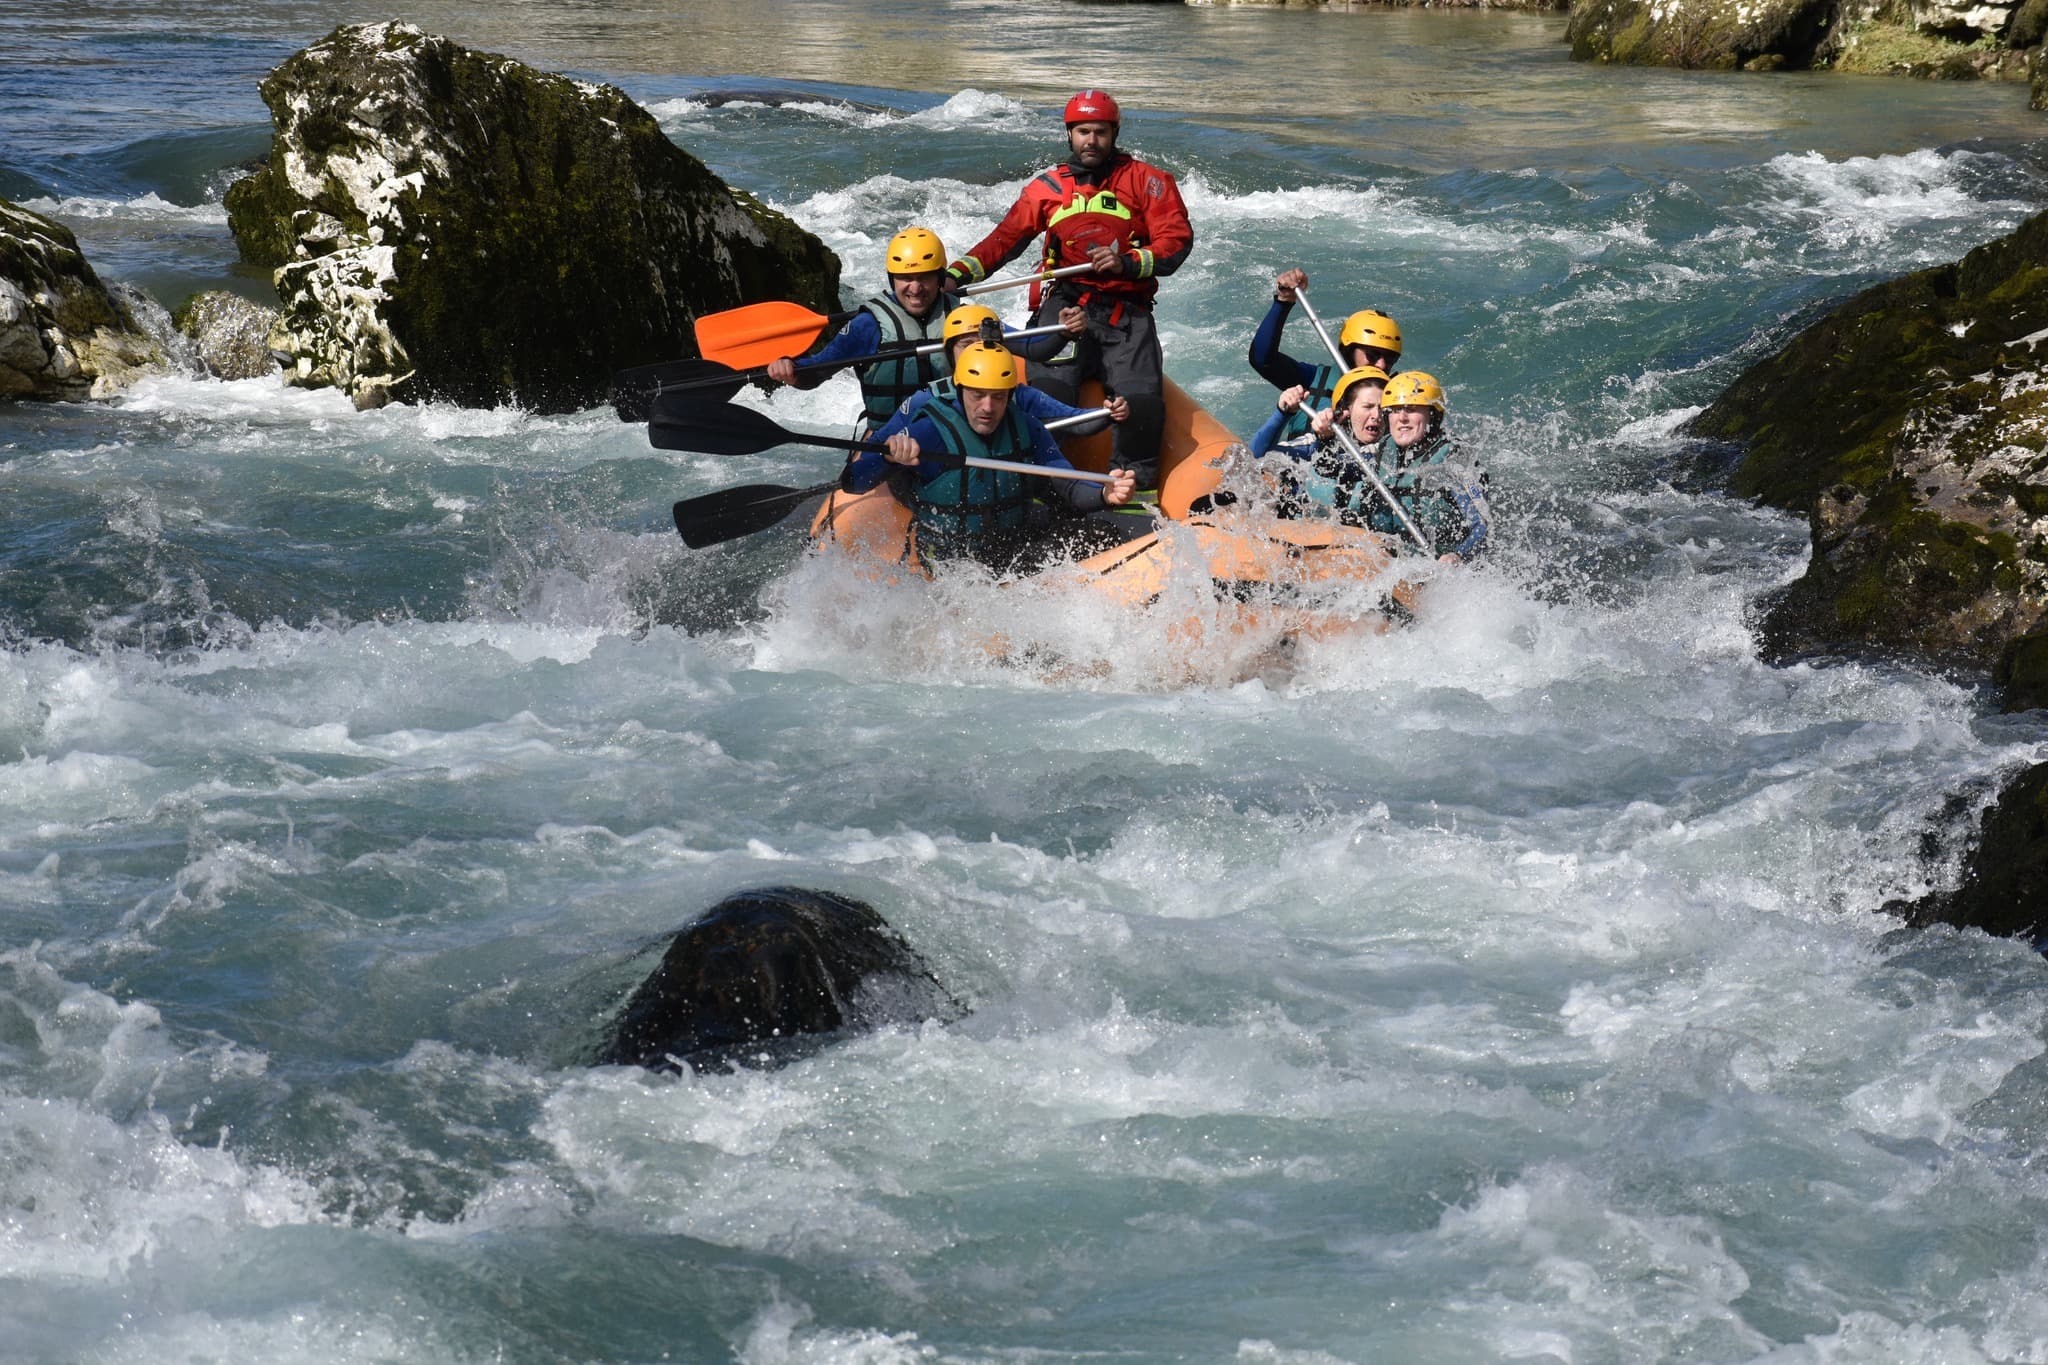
1036 350
1047 408
1265 436
1266 340
1273 365
1471 500
860 337
1079 494
869 468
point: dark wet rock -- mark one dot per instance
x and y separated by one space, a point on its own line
63 334
451 224
1935 39
1721 35
776 99
768 976
1909 425
2004 887
229 333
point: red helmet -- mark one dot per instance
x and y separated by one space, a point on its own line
1093 106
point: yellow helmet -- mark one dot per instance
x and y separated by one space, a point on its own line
914 251
966 320
982 366
1370 327
1413 390
1364 374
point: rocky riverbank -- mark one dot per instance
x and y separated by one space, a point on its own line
1935 39
1931 39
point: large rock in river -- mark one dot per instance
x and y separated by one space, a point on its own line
62 333
1910 425
452 224
2004 886
768 975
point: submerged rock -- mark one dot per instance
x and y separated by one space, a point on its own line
2004 889
1910 426
230 334
452 224
769 975
63 334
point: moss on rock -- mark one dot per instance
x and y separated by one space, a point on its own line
1720 35
63 335
453 224
1909 425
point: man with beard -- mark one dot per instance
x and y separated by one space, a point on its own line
1107 209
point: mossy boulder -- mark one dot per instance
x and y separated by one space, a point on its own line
2004 886
1910 426
230 333
63 334
452 224
1718 35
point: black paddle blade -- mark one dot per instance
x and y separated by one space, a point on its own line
731 513
634 391
690 421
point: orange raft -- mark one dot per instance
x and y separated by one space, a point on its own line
1285 578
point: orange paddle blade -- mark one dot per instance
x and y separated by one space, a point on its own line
758 334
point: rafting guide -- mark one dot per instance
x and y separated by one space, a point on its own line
1122 223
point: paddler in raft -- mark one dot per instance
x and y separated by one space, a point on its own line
975 322
909 312
1368 338
1104 207
1398 424
988 515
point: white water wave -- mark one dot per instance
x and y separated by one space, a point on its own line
146 208
1867 201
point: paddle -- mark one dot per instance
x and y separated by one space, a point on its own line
731 513
734 512
1365 466
762 332
634 391
689 422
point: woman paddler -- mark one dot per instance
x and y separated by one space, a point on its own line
1367 338
1442 490
1322 473
993 516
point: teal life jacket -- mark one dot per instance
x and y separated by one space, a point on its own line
962 505
886 384
1315 400
1423 481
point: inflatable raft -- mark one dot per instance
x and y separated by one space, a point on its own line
1282 578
